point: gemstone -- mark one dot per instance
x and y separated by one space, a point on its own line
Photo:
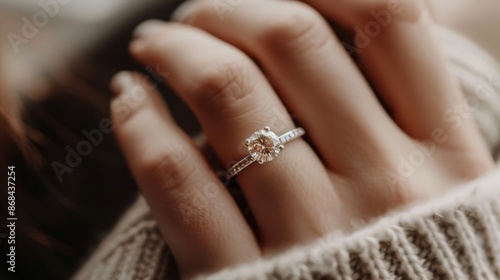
263 146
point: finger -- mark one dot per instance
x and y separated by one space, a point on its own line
232 99
314 76
353 13
403 62
200 222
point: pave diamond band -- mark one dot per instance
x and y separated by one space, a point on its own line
292 135
264 146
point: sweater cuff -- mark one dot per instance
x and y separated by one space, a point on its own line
453 237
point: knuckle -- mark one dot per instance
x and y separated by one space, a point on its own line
224 84
170 168
300 29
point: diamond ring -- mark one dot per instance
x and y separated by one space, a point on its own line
264 146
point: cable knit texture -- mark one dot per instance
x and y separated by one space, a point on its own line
456 236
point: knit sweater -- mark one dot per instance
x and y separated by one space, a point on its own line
455 236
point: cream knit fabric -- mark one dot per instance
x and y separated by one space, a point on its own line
456 236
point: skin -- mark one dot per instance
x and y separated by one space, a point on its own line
350 166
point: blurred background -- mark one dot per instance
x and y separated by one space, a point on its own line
61 77
56 60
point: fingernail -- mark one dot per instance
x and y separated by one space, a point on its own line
147 27
137 47
121 82
183 11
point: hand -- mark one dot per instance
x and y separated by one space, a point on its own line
357 162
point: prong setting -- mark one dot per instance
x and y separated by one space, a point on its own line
264 146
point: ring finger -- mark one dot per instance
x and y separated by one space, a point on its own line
232 99
314 76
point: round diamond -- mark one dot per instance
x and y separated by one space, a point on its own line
263 146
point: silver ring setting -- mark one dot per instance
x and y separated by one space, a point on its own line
264 146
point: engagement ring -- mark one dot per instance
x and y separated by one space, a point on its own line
264 146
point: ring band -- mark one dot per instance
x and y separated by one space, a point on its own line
264 146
